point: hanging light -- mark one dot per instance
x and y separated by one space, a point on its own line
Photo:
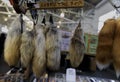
62 14
59 22
13 11
58 26
9 16
5 19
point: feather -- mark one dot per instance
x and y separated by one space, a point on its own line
105 44
77 47
27 48
12 45
39 58
53 38
116 49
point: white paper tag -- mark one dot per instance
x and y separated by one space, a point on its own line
70 75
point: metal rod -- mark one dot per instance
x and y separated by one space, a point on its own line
60 17
7 13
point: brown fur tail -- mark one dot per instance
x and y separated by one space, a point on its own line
105 44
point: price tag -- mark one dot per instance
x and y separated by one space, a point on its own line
70 75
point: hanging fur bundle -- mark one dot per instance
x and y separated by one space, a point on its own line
27 48
116 49
12 44
105 44
39 58
53 48
77 47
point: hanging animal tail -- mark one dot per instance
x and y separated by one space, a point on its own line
105 44
12 44
77 47
116 49
27 48
39 58
53 38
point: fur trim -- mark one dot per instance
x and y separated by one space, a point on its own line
27 48
39 59
77 47
12 45
102 66
117 68
105 42
53 38
117 71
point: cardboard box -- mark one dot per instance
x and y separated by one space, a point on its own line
91 42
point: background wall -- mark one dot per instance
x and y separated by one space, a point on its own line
90 24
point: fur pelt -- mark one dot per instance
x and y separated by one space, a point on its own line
53 38
39 58
27 48
105 44
12 44
77 47
116 49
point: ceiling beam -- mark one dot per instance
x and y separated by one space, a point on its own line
60 17
101 3
7 13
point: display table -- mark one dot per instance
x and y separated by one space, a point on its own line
60 77
99 76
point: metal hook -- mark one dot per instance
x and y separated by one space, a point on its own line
44 20
51 19
21 21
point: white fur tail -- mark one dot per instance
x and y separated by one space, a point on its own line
12 45
39 59
27 48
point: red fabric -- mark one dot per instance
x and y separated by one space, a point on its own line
12 2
